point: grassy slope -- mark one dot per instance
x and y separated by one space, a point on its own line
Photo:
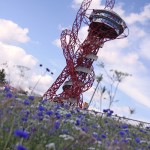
36 124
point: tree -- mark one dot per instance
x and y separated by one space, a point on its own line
2 76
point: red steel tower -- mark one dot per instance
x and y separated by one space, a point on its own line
78 75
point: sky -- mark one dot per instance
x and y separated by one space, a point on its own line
29 36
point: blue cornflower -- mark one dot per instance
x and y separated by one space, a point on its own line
122 133
66 106
85 129
80 116
9 95
43 101
94 126
27 112
57 106
21 133
124 126
24 119
95 135
49 112
41 108
57 125
40 113
20 147
58 116
105 110
142 131
105 121
124 141
126 130
77 122
137 140
26 102
7 89
31 98
103 136
116 141
68 115
77 109
65 131
109 112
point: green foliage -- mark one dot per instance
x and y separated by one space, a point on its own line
42 125
2 76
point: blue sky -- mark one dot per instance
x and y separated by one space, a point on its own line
30 32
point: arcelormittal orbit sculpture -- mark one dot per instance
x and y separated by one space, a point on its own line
78 75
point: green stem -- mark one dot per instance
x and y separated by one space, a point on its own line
9 134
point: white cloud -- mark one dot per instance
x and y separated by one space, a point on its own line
12 33
16 55
43 83
95 4
145 48
141 17
57 42
83 32
11 56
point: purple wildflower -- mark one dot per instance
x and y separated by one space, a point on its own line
94 126
103 136
26 102
65 131
20 147
58 116
31 98
43 101
41 108
9 95
7 89
49 112
85 129
124 126
122 133
124 141
21 133
137 140
105 110
57 125
95 135
40 113
24 119
77 122
68 115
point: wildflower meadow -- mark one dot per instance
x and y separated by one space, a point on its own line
33 123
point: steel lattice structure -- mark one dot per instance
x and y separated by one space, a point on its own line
78 75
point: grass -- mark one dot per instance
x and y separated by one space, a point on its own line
30 123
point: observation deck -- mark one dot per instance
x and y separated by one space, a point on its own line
106 24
